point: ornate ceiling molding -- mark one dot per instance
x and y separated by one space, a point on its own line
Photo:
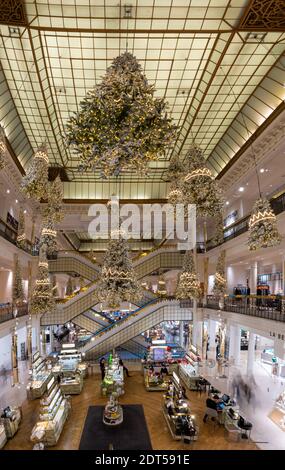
264 15
12 12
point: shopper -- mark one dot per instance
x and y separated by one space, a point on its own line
213 404
102 367
124 368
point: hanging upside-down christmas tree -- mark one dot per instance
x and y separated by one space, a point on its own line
42 299
188 286
263 231
120 124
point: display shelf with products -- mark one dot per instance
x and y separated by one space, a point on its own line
54 411
69 361
268 356
280 402
39 377
114 377
156 377
113 412
10 419
188 373
72 385
177 413
3 437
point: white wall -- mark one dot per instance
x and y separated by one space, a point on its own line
236 275
6 280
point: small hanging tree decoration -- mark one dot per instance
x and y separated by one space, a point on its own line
42 299
34 184
220 282
263 231
188 286
219 232
48 236
21 236
118 282
3 149
120 125
199 187
17 290
53 209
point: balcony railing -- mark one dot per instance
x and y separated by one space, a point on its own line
269 307
11 235
241 226
6 312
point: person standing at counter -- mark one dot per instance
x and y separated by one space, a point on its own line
124 367
102 367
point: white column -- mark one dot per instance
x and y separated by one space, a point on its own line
232 343
194 323
237 344
251 353
181 333
253 278
283 274
212 343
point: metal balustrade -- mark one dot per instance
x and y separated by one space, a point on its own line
267 307
6 312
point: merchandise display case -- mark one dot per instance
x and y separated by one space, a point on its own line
39 378
113 412
3 437
177 413
268 356
54 411
10 419
69 361
188 374
72 385
155 379
114 377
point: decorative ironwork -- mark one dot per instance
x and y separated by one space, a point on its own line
264 15
12 12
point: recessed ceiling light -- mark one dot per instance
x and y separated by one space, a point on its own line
25 211
227 203
16 201
241 189
8 191
262 170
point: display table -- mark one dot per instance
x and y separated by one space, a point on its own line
69 362
72 386
113 412
3 437
154 382
54 411
114 378
10 419
39 378
188 374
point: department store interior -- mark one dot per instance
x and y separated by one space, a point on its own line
142 224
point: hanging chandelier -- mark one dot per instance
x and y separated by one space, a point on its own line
263 231
3 148
120 124
34 184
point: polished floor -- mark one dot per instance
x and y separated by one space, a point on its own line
210 436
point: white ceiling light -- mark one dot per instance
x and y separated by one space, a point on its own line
241 189
227 203
25 211
16 201
262 170
8 191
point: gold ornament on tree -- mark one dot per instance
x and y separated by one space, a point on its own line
21 236
3 148
42 299
220 282
188 286
263 231
120 125
34 184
